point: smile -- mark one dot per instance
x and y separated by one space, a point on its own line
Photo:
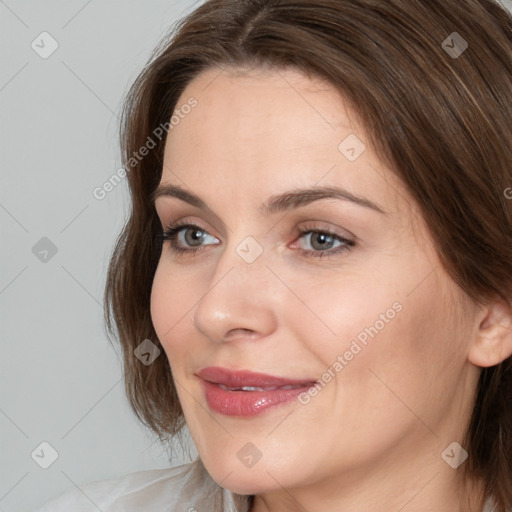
246 393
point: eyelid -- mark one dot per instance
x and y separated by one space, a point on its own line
187 221
319 225
189 214
181 225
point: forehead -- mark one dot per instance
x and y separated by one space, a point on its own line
262 131
262 115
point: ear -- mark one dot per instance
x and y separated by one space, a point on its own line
492 342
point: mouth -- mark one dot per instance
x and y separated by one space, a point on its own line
246 393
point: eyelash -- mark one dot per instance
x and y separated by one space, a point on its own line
172 232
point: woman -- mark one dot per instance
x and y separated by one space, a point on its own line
316 276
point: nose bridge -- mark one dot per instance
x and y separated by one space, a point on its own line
239 293
243 262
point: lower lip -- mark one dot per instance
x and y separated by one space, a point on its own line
247 403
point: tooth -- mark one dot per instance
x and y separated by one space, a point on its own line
254 388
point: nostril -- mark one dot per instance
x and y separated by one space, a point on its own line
241 332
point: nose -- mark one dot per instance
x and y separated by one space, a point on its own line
241 300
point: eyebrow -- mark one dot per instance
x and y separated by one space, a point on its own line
277 203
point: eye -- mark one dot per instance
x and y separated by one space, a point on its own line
189 239
184 236
323 243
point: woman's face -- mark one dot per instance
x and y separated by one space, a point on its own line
375 320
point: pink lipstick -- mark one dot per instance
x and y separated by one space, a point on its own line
246 393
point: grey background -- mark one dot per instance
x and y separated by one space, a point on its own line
60 380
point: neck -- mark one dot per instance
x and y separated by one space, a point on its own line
408 488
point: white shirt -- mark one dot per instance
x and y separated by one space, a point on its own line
186 488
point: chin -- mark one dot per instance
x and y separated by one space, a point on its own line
263 476
242 480
248 484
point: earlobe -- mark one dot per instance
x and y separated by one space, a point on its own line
492 342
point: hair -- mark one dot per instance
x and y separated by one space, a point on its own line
442 123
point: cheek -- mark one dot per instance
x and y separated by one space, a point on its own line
360 324
171 298
410 363
160 304
334 315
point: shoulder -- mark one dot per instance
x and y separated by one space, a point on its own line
177 488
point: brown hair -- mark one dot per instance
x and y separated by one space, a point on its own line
440 120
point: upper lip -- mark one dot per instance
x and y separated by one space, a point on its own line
241 378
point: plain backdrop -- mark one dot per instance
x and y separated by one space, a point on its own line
60 379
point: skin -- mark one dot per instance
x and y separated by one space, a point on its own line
372 438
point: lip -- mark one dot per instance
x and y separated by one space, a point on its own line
273 391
